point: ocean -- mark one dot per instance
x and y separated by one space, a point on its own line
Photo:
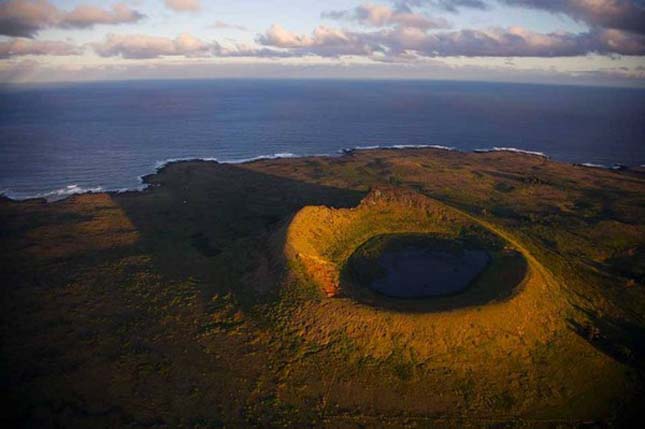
59 139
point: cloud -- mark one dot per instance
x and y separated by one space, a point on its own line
183 5
243 50
25 18
225 25
373 15
185 45
85 16
514 42
621 42
20 47
398 44
636 73
407 43
282 38
142 46
625 15
510 42
324 41
617 27
447 5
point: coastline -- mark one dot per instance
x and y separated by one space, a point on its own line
74 189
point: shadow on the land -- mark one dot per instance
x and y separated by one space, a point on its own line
214 223
622 340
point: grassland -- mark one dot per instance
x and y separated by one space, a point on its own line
188 305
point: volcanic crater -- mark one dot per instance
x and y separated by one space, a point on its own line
401 250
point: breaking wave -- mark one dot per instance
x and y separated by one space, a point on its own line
55 195
261 157
511 149
399 146
602 166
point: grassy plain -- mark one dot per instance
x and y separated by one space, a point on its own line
183 305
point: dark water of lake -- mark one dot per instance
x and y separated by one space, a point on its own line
418 272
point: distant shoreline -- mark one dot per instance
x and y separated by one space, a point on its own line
12 85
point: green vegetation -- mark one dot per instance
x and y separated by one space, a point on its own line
185 306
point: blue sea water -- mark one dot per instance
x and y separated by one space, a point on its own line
66 138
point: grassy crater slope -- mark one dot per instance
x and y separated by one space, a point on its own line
320 240
179 307
435 348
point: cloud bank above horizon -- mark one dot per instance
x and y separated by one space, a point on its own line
515 40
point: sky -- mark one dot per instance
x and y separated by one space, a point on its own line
591 42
